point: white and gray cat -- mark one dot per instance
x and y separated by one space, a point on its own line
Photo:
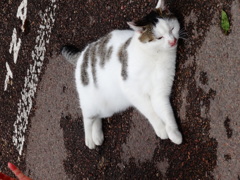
129 68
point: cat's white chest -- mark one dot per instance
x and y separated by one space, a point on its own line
141 75
151 73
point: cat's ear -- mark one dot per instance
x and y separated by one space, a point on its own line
160 5
134 27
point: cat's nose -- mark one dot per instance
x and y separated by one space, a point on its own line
173 42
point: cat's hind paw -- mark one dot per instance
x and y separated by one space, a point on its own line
98 137
89 143
174 135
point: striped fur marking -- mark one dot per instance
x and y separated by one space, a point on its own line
123 58
94 62
94 50
84 74
102 49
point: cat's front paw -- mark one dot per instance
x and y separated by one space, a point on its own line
174 135
162 133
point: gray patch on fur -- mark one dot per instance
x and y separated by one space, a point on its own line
95 49
84 66
109 53
123 58
94 62
102 49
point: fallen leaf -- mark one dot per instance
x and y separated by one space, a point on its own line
225 25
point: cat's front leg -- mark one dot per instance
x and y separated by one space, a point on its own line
163 108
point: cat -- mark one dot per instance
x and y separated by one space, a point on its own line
129 68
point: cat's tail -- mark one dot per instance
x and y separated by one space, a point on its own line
71 53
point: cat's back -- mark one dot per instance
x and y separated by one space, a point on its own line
108 44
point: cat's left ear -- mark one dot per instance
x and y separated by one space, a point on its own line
160 5
134 27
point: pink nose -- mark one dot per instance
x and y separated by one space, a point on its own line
173 43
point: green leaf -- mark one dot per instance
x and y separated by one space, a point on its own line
225 22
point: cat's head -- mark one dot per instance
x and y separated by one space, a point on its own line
159 29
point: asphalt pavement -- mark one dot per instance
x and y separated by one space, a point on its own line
41 120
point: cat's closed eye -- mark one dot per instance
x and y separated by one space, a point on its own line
160 37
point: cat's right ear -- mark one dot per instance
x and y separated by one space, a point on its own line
160 5
134 27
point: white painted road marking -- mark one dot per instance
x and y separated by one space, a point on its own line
22 13
9 75
31 80
16 43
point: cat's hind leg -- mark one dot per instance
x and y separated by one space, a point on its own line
93 132
88 123
97 133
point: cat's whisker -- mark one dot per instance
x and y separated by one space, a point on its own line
183 34
182 37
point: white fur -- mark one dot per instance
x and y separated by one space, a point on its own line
151 70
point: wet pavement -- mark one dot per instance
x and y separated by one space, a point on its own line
41 121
